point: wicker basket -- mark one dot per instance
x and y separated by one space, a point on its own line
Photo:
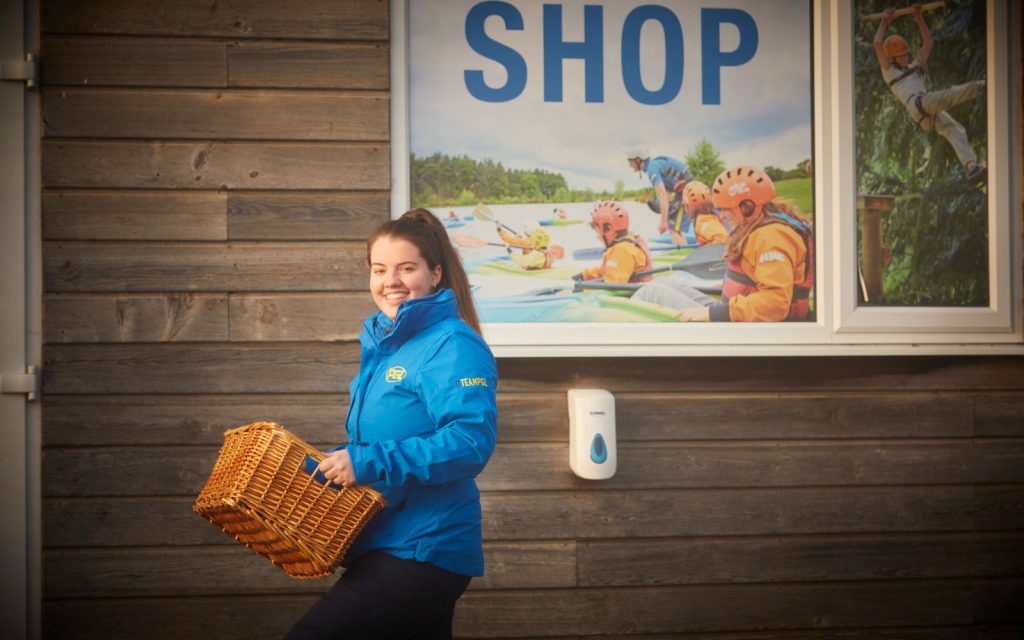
260 494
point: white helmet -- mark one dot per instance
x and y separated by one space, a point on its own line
638 151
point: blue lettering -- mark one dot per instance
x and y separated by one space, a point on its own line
591 51
713 58
631 76
479 41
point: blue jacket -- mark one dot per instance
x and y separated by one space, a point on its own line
421 425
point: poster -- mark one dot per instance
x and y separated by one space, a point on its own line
921 159
528 119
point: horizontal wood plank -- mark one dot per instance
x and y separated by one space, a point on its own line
318 19
299 317
142 62
807 374
231 114
305 216
235 570
199 368
139 419
768 464
183 470
173 317
204 267
566 515
215 165
309 65
129 215
526 418
848 610
999 414
799 559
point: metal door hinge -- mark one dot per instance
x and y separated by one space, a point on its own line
24 70
27 383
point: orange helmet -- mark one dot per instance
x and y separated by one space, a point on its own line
895 46
741 184
696 194
611 219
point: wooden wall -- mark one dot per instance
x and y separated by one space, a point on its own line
211 170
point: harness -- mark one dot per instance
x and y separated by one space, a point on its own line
738 283
916 98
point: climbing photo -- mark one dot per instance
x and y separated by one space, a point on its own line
920 94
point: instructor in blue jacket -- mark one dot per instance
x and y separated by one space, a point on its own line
421 426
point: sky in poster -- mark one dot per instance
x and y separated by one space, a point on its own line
764 117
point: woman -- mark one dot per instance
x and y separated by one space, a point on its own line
421 426
770 254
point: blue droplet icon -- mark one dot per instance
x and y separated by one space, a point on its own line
598 450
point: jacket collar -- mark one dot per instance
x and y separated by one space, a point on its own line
412 317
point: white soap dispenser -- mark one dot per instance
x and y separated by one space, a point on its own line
592 451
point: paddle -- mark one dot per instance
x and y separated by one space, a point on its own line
632 286
473 242
484 213
706 262
596 253
556 251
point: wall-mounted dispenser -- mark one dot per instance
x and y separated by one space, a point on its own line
592 451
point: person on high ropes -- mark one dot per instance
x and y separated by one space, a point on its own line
625 254
926 108
668 176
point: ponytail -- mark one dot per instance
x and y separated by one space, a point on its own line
428 234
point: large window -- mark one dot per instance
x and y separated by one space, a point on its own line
684 178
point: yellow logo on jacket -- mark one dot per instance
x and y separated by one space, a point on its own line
473 382
395 374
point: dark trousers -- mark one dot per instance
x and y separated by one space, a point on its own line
381 597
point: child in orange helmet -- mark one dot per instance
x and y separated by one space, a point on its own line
770 254
926 108
707 224
625 253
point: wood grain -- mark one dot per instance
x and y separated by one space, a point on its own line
236 114
306 65
99 61
134 215
318 19
215 165
199 368
204 267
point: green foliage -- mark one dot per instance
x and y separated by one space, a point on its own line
704 162
797 191
938 229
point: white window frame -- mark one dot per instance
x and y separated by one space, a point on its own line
841 327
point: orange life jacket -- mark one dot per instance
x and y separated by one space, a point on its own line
640 244
738 283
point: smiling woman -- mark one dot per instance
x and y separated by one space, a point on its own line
422 424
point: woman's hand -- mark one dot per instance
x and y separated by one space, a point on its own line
337 467
694 314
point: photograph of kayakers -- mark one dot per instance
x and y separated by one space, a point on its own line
570 149
921 124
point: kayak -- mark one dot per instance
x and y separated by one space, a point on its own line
559 222
452 224
575 307
507 267
666 238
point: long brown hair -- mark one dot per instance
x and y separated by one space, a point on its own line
751 223
427 233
